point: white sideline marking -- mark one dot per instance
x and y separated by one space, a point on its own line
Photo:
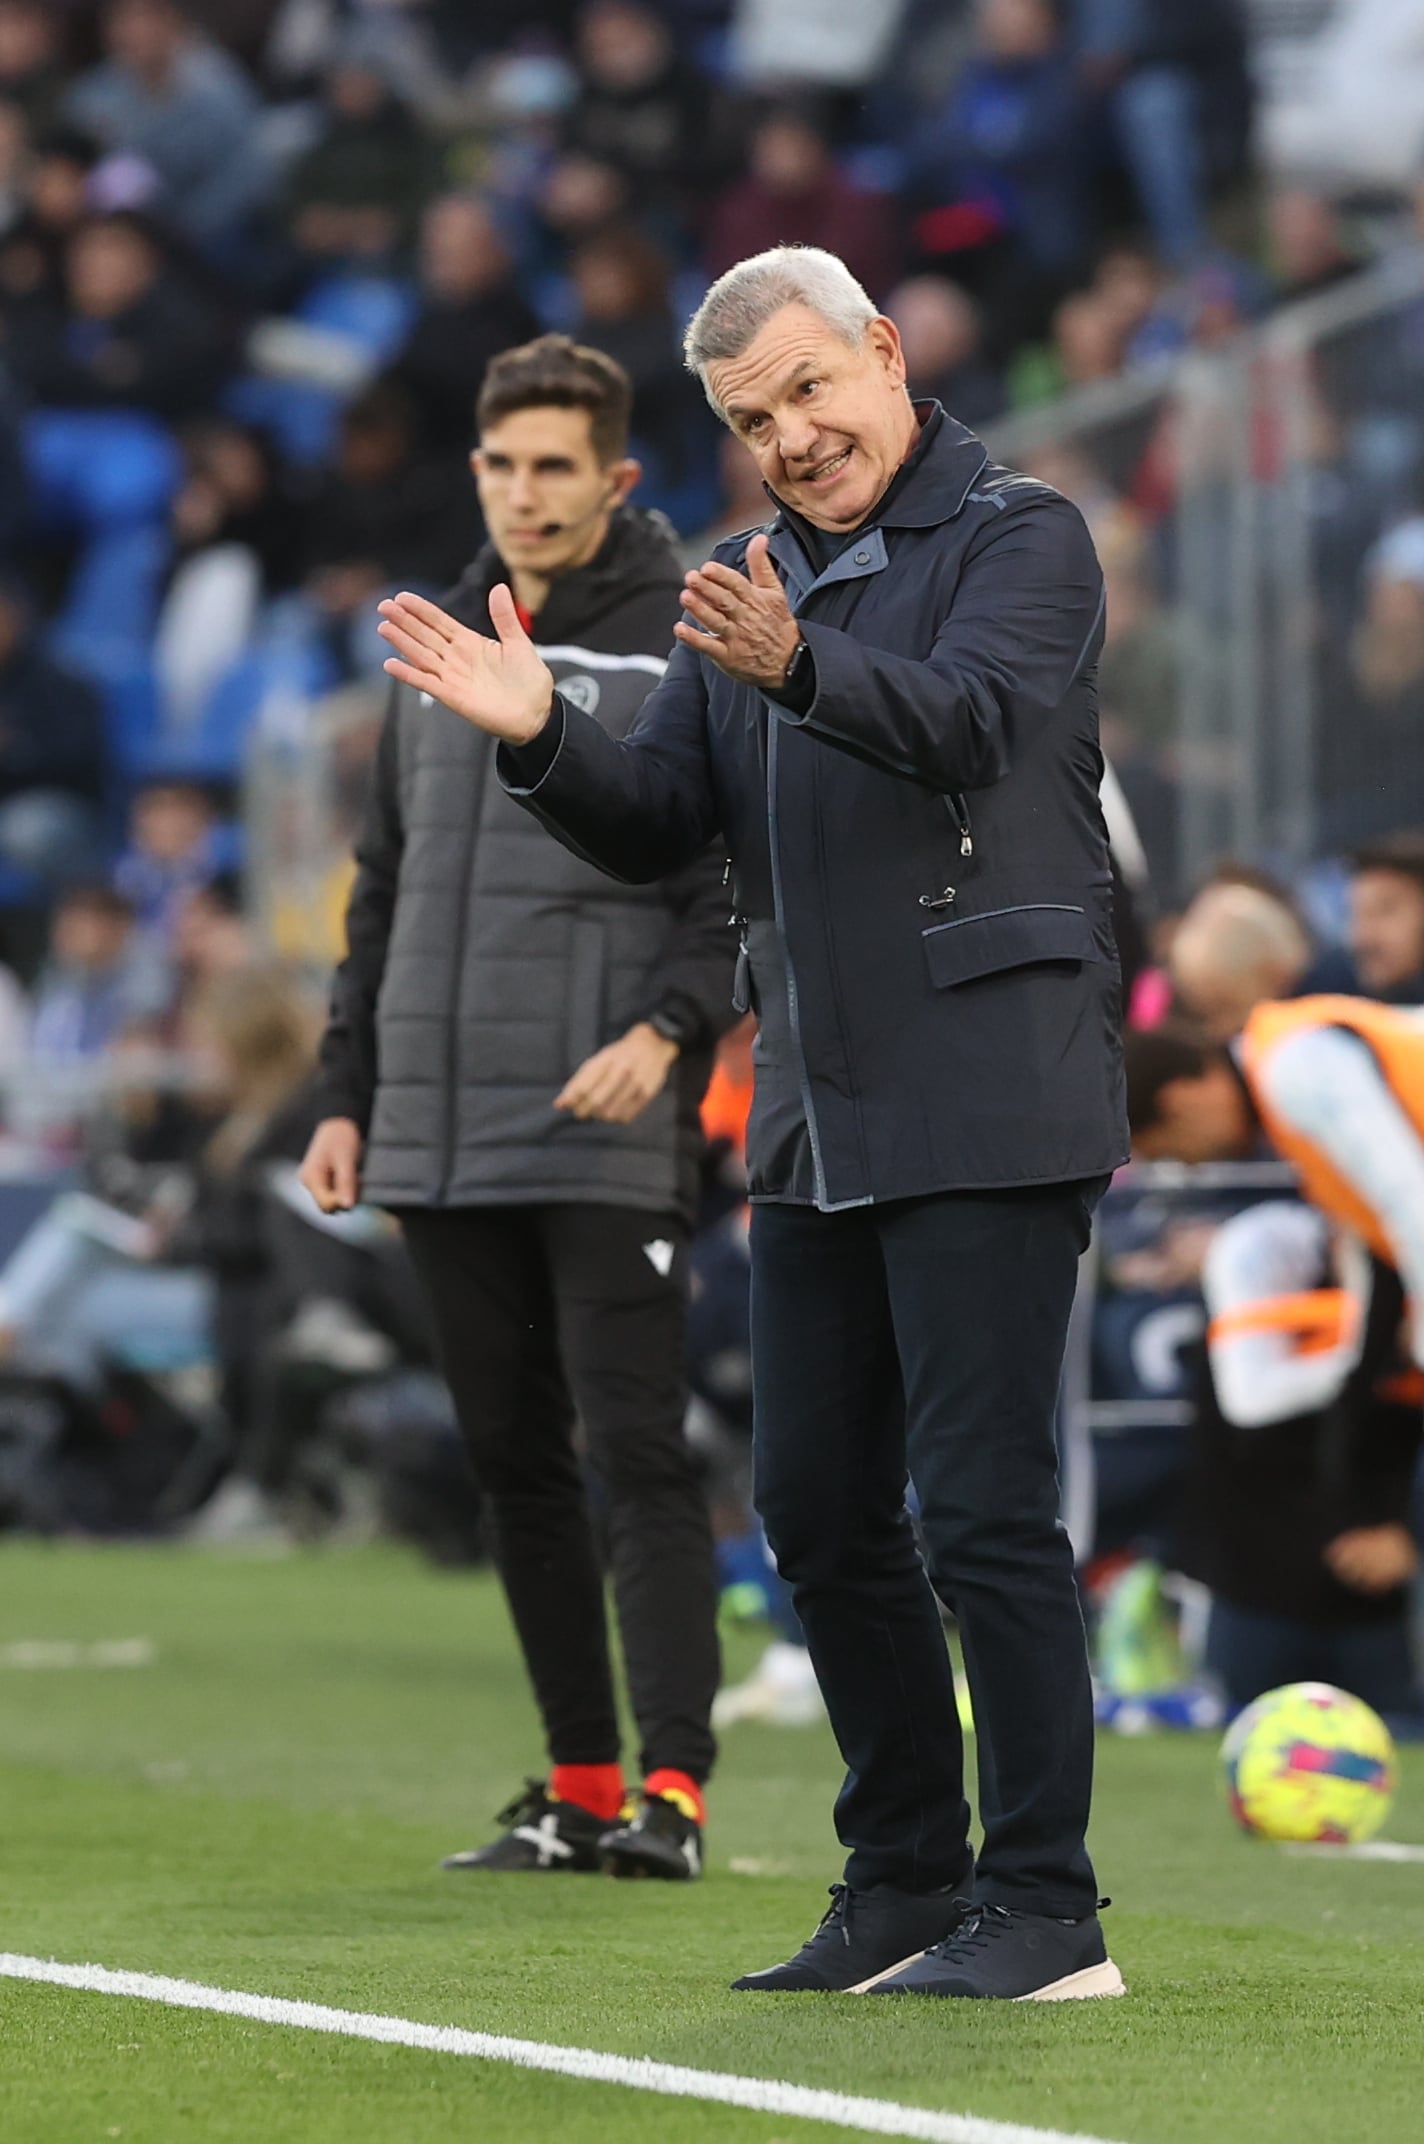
1367 1850
71 1653
763 2095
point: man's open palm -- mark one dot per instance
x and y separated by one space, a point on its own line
500 685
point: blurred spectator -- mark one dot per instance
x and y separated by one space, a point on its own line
54 204
234 491
1203 310
129 334
352 199
184 106
1235 946
1174 76
471 309
1087 340
941 331
174 846
52 753
1307 247
237 525
385 516
625 309
1002 170
96 981
581 197
794 195
1380 771
211 935
31 72
1386 925
1139 689
1129 280
642 107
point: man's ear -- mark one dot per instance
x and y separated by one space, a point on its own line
884 339
623 477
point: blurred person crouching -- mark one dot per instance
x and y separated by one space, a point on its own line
1306 1441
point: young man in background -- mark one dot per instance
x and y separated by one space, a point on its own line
514 1062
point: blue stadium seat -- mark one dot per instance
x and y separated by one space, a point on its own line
98 469
375 311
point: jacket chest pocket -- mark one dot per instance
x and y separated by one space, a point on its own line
974 946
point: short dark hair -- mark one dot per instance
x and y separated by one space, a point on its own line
555 372
1401 852
1157 1056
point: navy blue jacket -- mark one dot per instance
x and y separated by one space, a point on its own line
919 861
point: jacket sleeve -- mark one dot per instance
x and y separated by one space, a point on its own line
346 1081
691 983
1026 617
637 809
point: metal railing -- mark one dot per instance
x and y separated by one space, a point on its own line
1263 678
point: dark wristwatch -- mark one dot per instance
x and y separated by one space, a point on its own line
670 1027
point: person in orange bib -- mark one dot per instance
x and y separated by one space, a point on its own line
1334 1085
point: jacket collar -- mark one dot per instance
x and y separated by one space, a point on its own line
933 490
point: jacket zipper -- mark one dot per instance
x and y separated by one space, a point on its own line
742 973
958 810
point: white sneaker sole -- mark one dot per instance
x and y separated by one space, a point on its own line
1094 1980
1104 1979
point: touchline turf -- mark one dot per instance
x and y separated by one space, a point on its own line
262 1807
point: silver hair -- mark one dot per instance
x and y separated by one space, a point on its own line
740 303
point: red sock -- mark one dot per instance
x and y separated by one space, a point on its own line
680 1788
595 1787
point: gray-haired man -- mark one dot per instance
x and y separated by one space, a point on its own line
885 703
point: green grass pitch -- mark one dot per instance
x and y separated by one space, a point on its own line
263 1808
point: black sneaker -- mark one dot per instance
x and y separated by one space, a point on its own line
1014 1957
543 1834
658 1839
863 1933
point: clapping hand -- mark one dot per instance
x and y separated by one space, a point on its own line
746 621
501 685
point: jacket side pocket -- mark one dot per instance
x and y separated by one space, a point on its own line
975 946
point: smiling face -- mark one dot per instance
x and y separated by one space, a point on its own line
827 422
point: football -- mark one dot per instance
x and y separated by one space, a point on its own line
1309 1762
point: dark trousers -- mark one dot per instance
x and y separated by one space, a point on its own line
1251 1652
542 1312
926 1336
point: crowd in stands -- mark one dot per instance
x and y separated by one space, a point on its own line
255 256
